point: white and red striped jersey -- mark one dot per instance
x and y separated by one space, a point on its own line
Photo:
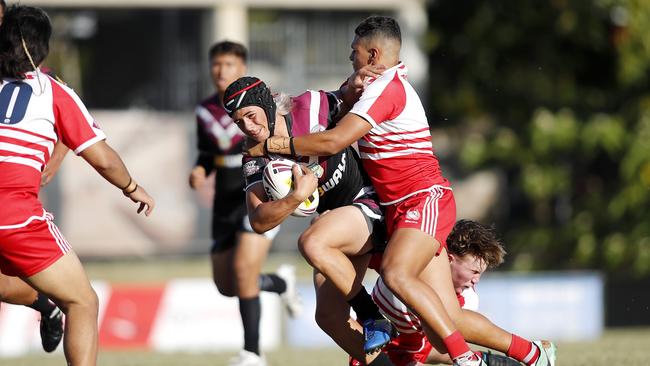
404 320
397 152
34 114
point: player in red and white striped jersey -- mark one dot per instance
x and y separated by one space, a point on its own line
17 292
393 133
473 248
36 111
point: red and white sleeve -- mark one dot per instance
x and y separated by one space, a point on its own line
73 123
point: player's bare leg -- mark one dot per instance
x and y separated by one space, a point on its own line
437 357
475 327
329 243
250 254
66 283
333 313
15 291
222 272
408 253
333 317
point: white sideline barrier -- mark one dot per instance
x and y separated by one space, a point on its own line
560 306
189 315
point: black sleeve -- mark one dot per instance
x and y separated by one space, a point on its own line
204 144
253 169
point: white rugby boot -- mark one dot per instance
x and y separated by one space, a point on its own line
290 296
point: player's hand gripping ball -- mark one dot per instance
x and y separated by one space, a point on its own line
278 183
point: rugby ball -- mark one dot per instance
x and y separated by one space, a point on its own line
278 183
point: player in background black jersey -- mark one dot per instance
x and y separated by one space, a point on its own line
237 252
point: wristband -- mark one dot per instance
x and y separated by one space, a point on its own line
128 184
133 190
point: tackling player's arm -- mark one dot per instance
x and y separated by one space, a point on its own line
351 90
329 142
110 166
348 130
265 214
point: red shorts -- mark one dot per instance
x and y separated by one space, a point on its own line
405 350
27 250
408 348
433 212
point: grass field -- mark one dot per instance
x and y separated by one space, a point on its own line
629 347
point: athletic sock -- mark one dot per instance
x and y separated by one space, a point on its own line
381 360
43 305
456 346
363 305
270 282
251 310
523 350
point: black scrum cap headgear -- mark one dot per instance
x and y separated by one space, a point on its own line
247 91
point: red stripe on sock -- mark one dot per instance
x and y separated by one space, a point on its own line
456 345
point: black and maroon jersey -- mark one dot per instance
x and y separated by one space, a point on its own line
220 145
342 178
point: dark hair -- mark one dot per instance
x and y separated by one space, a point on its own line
470 237
23 23
3 5
228 48
379 26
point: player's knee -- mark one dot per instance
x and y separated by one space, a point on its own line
311 247
395 278
225 289
224 282
5 287
90 301
85 301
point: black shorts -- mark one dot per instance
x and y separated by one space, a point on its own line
227 224
368 202
224 235
227 221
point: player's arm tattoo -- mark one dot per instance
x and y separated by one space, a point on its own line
273 145
279 145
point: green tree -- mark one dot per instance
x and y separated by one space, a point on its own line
555 94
